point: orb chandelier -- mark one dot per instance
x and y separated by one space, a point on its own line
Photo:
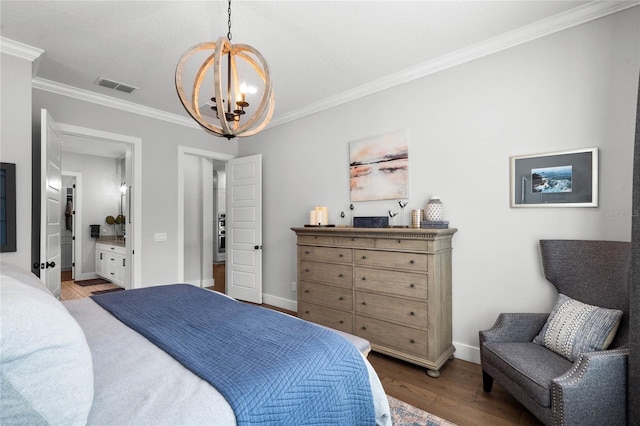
229 109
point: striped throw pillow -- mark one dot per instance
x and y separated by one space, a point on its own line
574 327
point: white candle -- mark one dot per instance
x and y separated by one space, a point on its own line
312 217
319 216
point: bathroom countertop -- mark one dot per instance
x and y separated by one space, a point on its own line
112 240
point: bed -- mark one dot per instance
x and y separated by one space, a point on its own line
103 361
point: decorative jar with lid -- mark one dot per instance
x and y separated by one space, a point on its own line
435 209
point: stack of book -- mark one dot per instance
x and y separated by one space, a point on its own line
435 224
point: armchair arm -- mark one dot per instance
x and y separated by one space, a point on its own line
594 391
514 327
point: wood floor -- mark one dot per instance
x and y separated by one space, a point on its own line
70 290
456 395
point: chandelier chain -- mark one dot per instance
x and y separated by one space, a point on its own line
229 21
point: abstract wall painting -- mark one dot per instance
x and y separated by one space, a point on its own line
379 167
556 179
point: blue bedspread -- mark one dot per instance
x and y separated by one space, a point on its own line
270 367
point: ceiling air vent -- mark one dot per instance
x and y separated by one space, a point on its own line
105 82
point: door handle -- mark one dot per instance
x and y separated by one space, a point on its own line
51 264
258 247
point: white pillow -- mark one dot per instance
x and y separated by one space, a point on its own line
46 366
22 275
574 327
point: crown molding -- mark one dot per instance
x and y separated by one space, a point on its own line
562 21
111 102
22 51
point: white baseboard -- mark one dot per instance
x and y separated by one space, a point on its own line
467 353
86 276
280 302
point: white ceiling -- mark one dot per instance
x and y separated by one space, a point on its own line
319 52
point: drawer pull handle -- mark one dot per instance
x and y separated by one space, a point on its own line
364 278
340 276
412 285
364 257
364 303
412 313
411 261
306 312
306 270
341 255
341 298
306 252
399 241
364 327
413 341
306 291
341 322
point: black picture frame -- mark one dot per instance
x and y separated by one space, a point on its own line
7 207
555 179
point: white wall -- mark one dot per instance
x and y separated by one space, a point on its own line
573 89
100 198
15 147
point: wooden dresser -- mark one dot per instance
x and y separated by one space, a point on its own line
391 286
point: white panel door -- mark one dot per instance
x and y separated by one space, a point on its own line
244 228
50 207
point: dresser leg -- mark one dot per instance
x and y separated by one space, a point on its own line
433 373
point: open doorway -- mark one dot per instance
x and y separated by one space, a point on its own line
116 160
67 227
199 174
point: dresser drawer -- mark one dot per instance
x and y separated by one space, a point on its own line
392 260
400 244
409 312
398 337
111 248
326 240
328 317
392 282
330 273
329 254
335 297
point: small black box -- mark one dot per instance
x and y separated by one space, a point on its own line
370 222
435 224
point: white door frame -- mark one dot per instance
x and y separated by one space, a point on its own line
182 151
136 145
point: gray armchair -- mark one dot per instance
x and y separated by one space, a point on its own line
592 390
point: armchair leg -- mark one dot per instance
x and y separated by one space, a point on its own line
487 382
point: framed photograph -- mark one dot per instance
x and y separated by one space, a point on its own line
555 179
379 168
